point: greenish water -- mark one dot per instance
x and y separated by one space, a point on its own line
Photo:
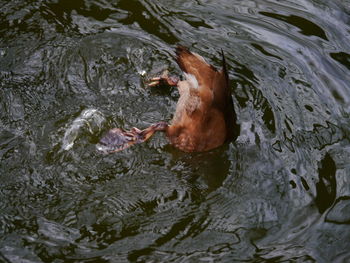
71 70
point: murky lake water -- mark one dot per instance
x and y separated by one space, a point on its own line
71 70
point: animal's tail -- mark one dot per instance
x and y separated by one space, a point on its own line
224 66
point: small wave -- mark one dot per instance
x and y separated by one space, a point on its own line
90 120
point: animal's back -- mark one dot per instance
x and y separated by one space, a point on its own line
210 123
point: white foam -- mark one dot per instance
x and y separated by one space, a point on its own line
89 119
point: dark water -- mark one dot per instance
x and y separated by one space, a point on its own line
70 70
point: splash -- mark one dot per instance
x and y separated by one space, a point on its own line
90 120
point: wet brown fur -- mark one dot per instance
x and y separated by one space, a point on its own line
204 118
211 123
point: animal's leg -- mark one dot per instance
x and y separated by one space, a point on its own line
164 79
116 139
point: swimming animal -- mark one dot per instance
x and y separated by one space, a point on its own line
204 117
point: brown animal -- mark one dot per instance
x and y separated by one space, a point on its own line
204 118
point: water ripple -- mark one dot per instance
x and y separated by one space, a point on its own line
70 71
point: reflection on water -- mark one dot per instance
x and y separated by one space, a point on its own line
71 70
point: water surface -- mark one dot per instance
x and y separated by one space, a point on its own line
71 70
